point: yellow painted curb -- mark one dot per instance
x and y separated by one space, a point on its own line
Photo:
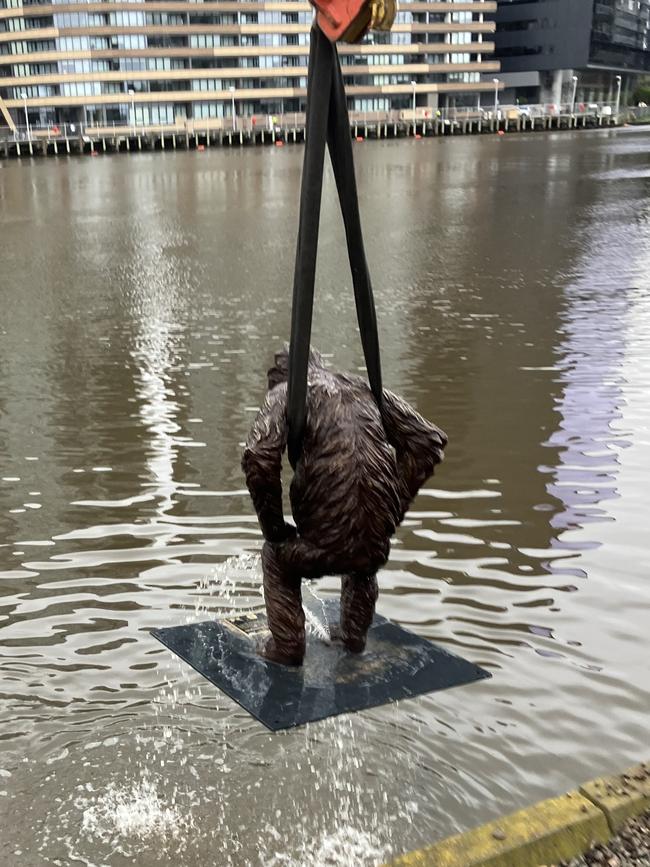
554 830
551 831
622 796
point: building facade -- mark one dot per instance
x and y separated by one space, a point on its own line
164 61
543 44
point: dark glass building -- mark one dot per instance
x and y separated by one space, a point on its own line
544 44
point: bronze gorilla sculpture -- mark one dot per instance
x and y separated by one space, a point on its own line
358 472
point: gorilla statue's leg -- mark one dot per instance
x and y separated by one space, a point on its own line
284 566
358 597
283 607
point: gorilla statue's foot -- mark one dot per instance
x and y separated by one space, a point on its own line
351 644
270 651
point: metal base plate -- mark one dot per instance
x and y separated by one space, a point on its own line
396 664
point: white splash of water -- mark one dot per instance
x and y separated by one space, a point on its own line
132 812
320 628
219 590
315 627
345 847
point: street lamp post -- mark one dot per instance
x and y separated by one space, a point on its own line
132 95
232 96
619 81
573 96
29 134
413 86
496 101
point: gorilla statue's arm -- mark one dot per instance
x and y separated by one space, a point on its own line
262 464
418 445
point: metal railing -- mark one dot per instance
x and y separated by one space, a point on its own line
51 132
283 123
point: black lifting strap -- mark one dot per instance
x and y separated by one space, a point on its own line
327 121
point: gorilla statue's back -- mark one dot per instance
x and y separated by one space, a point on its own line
358 471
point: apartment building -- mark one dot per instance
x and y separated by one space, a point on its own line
162 61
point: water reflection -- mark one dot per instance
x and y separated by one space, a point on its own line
589 440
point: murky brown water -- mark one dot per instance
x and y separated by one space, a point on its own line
140 301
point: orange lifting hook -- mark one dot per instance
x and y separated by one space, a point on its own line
350 20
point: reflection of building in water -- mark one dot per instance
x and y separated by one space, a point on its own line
161 62
593 352
599 473
157 298
490 326
483 317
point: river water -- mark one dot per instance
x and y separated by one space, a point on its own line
141 298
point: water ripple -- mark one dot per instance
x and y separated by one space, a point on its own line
133 359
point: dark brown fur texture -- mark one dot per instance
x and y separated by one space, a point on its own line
356 477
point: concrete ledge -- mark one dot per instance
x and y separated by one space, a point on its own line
554 830
551 831
622 796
